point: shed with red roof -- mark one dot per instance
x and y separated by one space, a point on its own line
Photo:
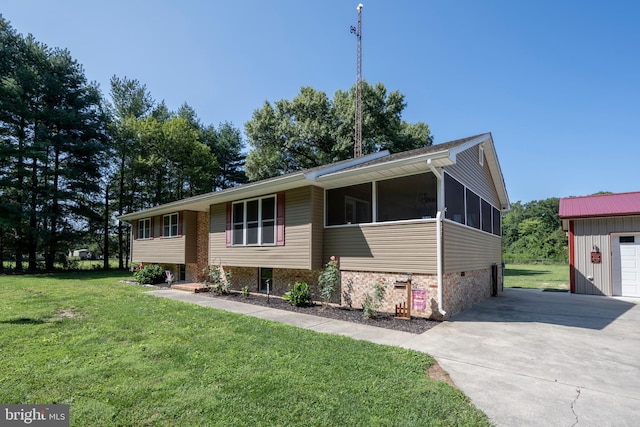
604 243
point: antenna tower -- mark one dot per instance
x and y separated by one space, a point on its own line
357 146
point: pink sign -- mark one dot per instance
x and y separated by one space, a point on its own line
418 299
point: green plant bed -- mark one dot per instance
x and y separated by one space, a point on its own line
123 358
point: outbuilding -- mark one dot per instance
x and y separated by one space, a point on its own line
604 243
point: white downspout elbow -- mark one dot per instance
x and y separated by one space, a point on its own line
439 260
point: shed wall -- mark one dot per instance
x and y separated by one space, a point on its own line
597 232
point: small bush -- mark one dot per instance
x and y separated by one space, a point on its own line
245 291
300 295
328 280
215 281
371 303
149 274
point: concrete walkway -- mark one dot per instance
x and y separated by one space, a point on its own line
525 358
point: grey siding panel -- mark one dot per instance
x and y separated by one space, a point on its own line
597 232
317 227
401 247
467 249
468 171
296 252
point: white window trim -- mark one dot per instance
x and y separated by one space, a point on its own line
260 221
141 223
177 225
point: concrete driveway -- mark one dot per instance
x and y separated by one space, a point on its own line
529 357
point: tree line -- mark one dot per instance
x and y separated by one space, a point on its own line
532 232
72 159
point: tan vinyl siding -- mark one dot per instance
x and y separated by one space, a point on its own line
189 231
467 249
296 252
597 232
171 250
392 247
468 171
317 227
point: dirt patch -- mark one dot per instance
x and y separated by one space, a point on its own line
436 373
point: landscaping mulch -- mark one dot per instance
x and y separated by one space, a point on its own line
414 325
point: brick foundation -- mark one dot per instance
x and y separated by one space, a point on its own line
283 279
459 292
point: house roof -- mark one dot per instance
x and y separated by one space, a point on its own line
600 205
375 166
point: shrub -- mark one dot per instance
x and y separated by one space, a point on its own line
299 295
245 291
215 281
149 274
328 280
371 303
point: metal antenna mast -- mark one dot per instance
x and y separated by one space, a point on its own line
357 146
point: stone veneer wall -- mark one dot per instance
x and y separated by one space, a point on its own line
283 279
458 292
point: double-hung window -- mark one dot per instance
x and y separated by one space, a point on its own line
254 222
144 229
170 225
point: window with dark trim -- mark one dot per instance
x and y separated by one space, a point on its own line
473 209
454 199
486 215
266 280
170 226
497 220
627 239
144 229
254 222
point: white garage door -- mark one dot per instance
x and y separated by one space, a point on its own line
626 265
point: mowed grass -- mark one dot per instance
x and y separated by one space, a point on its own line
536 276
123 358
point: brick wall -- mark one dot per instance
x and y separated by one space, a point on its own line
283 279
458 292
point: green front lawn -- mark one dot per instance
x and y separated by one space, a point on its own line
123 358
553 276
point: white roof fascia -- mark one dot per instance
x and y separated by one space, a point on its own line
314 175
234 193
462 147
440 155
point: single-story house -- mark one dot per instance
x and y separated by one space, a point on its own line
432 215
604 243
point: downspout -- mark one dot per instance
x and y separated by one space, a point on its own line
439 260
439 235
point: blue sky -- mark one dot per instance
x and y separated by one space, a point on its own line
557 83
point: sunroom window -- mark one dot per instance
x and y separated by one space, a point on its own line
407 197
349 205
254 221
454 199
